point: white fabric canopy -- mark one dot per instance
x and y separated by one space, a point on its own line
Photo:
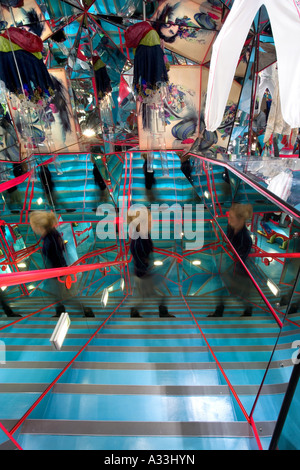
285 21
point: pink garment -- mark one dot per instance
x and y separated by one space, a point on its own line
285 22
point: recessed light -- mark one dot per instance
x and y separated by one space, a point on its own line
104 298
273 287
60 331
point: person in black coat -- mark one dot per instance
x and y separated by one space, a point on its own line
5 307
141 249
99 181
54 252
237 281
149 180
48 185
14 196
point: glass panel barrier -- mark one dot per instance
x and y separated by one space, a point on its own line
52 182
30 362
260 350
247 312
279 387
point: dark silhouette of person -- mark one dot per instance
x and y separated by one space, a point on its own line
13 193
141 248
53 249
48 184
238 281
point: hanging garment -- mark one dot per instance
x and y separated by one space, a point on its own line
276 123
281 184
103 82
22 66
285 22
150 71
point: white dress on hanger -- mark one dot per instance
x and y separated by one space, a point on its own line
284 17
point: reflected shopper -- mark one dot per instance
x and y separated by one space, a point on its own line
99 181
5 306
149 179
237 281
48 185
54 252
141 248
14 196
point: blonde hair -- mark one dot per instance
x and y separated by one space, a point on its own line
242 211
43 220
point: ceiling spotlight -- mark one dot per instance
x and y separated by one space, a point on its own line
158 263
196 262
122 284
89 132
22 265
40 201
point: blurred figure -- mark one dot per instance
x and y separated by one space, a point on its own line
48 185
187 169
43 224
99 181
238 282
149 179
5 307
260 122
14 196
141 248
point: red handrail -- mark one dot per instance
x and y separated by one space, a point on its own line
10 436
12 279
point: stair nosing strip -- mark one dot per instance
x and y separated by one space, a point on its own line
143 365
161 390
142 428
149 349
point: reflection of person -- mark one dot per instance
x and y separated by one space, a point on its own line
48 185
149 179
237 232
259 122
5 307
141 250
238 283
43 224
13 194
187 169
99 181
169 26
167 29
